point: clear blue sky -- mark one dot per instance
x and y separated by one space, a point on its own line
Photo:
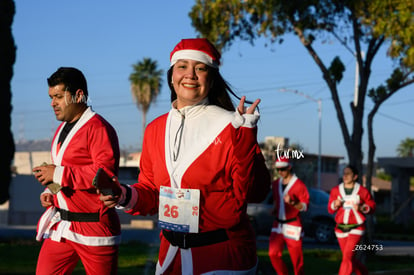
104 39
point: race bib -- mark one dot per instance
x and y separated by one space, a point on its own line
179 209
350 201
291 231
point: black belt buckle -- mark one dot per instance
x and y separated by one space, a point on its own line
345 230
184 243
177 238
181 240
188 240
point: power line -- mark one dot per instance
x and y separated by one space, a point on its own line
396 119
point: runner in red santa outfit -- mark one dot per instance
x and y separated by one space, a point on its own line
290 198
351 202
199 167
77 225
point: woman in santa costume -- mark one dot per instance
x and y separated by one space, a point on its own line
351 202
290 198
77 225
200 166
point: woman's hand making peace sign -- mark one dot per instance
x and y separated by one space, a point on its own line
249 110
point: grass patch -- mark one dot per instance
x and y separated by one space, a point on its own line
316 261
20 257
380 263
327 261
385 229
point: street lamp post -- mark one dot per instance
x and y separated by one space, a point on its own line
319 102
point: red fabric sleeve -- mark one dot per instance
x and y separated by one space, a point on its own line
251 179
261 179
147 187
332 197
301 193
96 147
366 198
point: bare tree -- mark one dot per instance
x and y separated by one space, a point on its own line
8 57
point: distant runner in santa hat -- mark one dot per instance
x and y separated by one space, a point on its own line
200 166
350 202
290 198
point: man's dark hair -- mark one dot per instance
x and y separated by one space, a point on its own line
72 78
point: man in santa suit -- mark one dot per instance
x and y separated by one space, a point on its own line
290 198
200 166
77 225
351 202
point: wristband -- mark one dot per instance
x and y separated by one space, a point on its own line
365 208
127 195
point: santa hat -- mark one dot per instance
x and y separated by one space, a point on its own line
199 49
282 162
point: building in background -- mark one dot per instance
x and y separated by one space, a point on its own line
305 165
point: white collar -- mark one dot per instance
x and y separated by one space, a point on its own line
191 110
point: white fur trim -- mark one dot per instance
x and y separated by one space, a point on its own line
238 120
172 250
186 261
64 232
57 156
345 234
196 140
333 206
193 55
251 119
45 223
304 207
58 174
245 120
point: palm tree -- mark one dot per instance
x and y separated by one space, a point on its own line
146 84
406 148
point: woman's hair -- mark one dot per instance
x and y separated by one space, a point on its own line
219 93
72 78
353 169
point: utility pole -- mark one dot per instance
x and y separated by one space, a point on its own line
319 102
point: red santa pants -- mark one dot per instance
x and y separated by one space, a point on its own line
62 257
349 264
276 244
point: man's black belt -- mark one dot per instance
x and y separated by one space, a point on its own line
188 240
78 217
286 221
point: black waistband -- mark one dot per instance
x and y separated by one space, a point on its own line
188 240
78 217
286 221
347 227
